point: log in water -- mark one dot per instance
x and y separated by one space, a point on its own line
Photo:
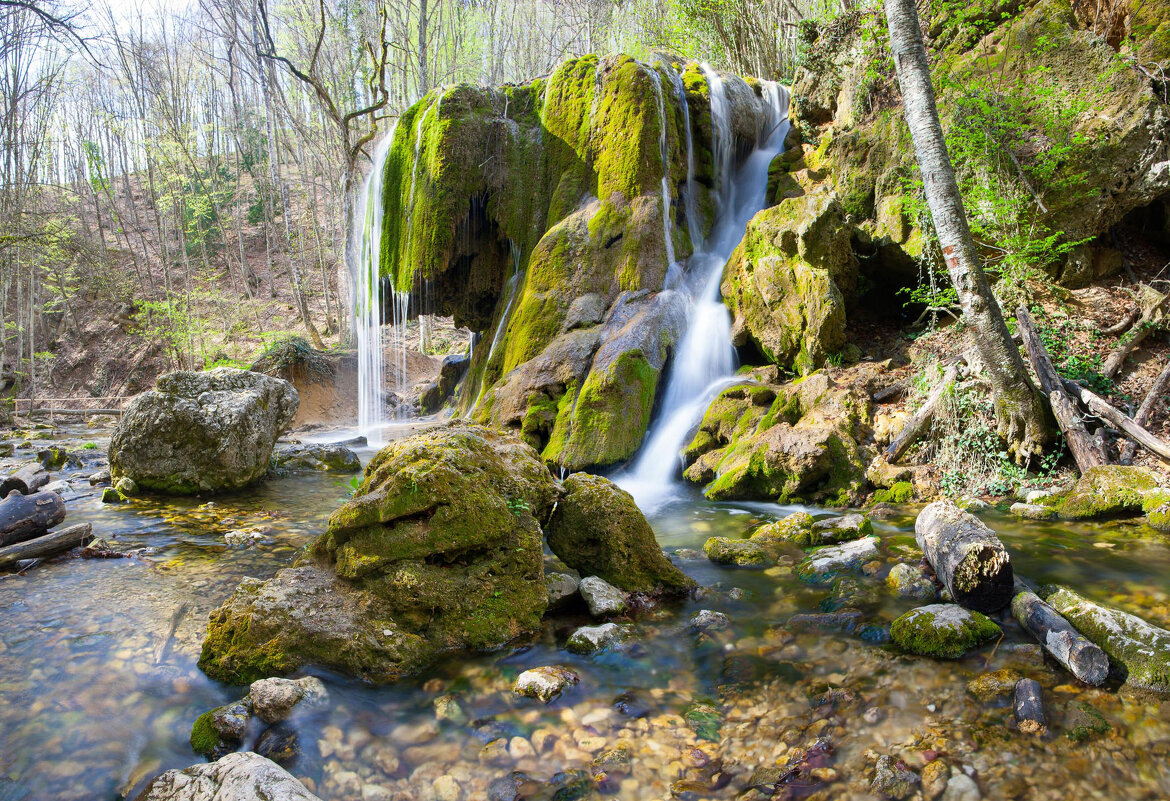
27 479
23 517
966 556
1072 649
51 544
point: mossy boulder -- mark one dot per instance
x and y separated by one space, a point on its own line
598 530
1106 491
439 550
315 458
946 631
202 431
788 443
740 553
1142 650
781 283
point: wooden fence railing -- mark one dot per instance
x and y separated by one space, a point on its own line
70 407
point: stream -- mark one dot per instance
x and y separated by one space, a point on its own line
96 700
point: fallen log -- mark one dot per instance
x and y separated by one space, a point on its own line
51 544
1161 384
918 424
967 557
1029 708
23 517
1070 648
1153 314
28 478
1087 450
1118 419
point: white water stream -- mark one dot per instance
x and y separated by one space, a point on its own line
704 363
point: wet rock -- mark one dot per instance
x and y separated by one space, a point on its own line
708 620
1033 511
315 458
439 550
242 538
840 529
202 432
705 720
447 708
989 686
544 683
126 486
430 399
1083 722
52 458
220 730
961 787
562 588
100 477
852 593
111 495
824 564
602 598
934 779
451 371
236 777
1106 490
892 779
591 639
910 581
844 621
598 529
741 553
280 743
631 705
946 631
688 554
585 311
273 700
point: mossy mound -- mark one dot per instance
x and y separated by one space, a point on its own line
1106 491
204 737
946 631
796 442
598 530
439 550
741 553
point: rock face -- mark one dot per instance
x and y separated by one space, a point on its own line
439 550
799 441
597 529
235 777
202 432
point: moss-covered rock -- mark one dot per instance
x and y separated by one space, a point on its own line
1141 649
899 492
597 529
204 737
946 631
825 564
1106 491
439 550
741 553
799 441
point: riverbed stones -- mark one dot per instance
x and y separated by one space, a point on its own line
315 458
220 730
740 553
591 639
946 631
439 550
202 431
707 620
910 581
544 683
602 598
893 779
242 776
1083 722
1142 649
824 564
598 529
274 699
996 684
1032 511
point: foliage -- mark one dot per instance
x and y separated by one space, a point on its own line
1059 337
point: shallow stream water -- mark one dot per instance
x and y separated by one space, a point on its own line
96 698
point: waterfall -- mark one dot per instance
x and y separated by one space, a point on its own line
673 272
366 279
704 363
680 94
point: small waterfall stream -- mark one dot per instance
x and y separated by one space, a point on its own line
704 363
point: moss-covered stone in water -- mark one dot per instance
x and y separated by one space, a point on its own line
705 721
900 492
946 631
204 737
1083 722
1142 649
598 530
1156 505
795 528
1106 491
741 553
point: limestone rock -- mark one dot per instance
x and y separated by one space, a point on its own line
597 528
316 458
824 564
274 699
892 779
544 683
562 588
202 432
946 631
603 599
1107 490
235 777
908 581
591 639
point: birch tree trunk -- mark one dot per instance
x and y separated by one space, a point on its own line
1019 413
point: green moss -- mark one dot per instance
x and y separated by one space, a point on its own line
900 492
741 553
1156 505
945 631
1085 722
204 737
1105 491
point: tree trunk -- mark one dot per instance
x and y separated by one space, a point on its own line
1102 409
1129 449
1029 708
1019 413
966 556
1069 647
50 544
27 479
26 516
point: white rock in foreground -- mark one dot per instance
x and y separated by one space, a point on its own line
544 683
242 776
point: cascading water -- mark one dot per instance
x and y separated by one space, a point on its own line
704 363
673 271
366 279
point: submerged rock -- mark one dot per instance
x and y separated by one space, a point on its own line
741 553
316 458
545 683
1141 648
202 432
439 550
598 529
892 779
908 581
591 639
946 631
235 777
824 564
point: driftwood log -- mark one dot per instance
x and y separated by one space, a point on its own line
1153 314
1070 648
1087 450
1029 708
1115 417
28 478
23 517
967 557
51 544
920 422
1161 384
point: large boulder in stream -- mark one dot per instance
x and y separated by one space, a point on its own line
202 431
439 550
243 776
